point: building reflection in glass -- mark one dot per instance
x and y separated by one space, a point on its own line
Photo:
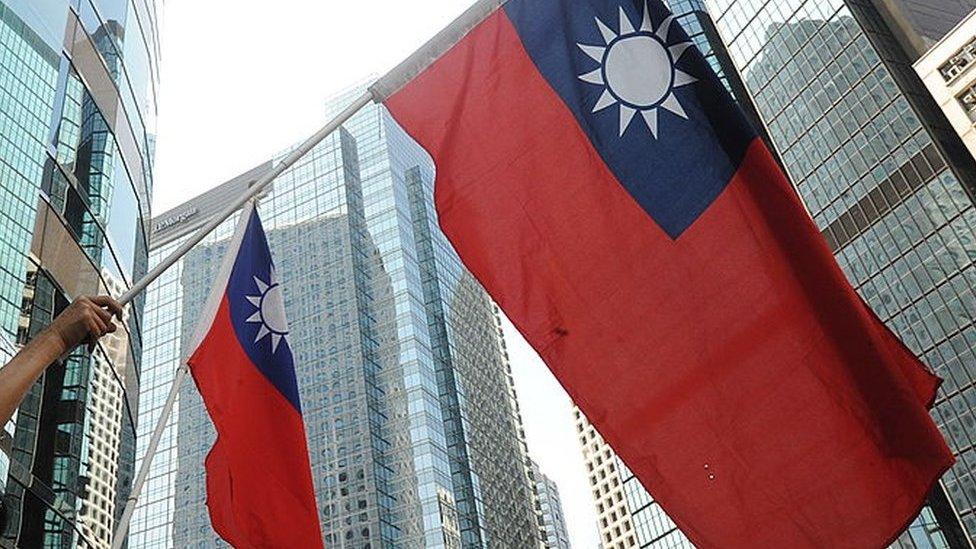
77 109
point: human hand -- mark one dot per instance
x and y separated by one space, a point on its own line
86 320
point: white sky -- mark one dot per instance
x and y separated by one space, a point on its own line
243 79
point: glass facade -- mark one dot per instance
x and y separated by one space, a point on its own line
551 507
885 181
413 428
77 107
652 526
698 25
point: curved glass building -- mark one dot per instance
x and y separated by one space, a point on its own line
78 85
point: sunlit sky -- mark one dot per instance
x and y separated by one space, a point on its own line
242 80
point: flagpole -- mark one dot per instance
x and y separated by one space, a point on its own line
252 192
122 528
130 507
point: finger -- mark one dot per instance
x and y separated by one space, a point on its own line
109 303
80 303
105 316
98 324
111 327
93 333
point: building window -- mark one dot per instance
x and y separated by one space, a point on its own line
968 101
959 62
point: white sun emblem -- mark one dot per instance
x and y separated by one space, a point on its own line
637 70
270 313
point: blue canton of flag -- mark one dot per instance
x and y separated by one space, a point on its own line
647 99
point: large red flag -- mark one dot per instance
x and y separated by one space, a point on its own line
597 178
259 482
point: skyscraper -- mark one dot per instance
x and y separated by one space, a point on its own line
627 515
77 106
413 428
551 506
885 178
946 70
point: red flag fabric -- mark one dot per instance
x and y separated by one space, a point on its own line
259 481
595 176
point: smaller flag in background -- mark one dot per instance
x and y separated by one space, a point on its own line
259 482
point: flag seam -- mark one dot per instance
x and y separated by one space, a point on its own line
209 312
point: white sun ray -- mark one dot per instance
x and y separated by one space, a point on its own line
608 35
595 52
672 104
626 115
637 70
593 77
605 101
650 118
625 26
646 24
665 28
682 78
269 313
678 50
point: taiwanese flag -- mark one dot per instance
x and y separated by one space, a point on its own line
597 178
259 483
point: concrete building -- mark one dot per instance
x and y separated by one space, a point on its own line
551 507
413 427
78 85
627 516
946 70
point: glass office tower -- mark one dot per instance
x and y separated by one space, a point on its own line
551 507
413 428
77 109
885 179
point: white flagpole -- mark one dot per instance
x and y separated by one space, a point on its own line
255 189
130 506
122 528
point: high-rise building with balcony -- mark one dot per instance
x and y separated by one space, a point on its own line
887 181
409 405
78 84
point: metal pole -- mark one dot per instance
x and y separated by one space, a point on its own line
123 527
255 189
130 506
